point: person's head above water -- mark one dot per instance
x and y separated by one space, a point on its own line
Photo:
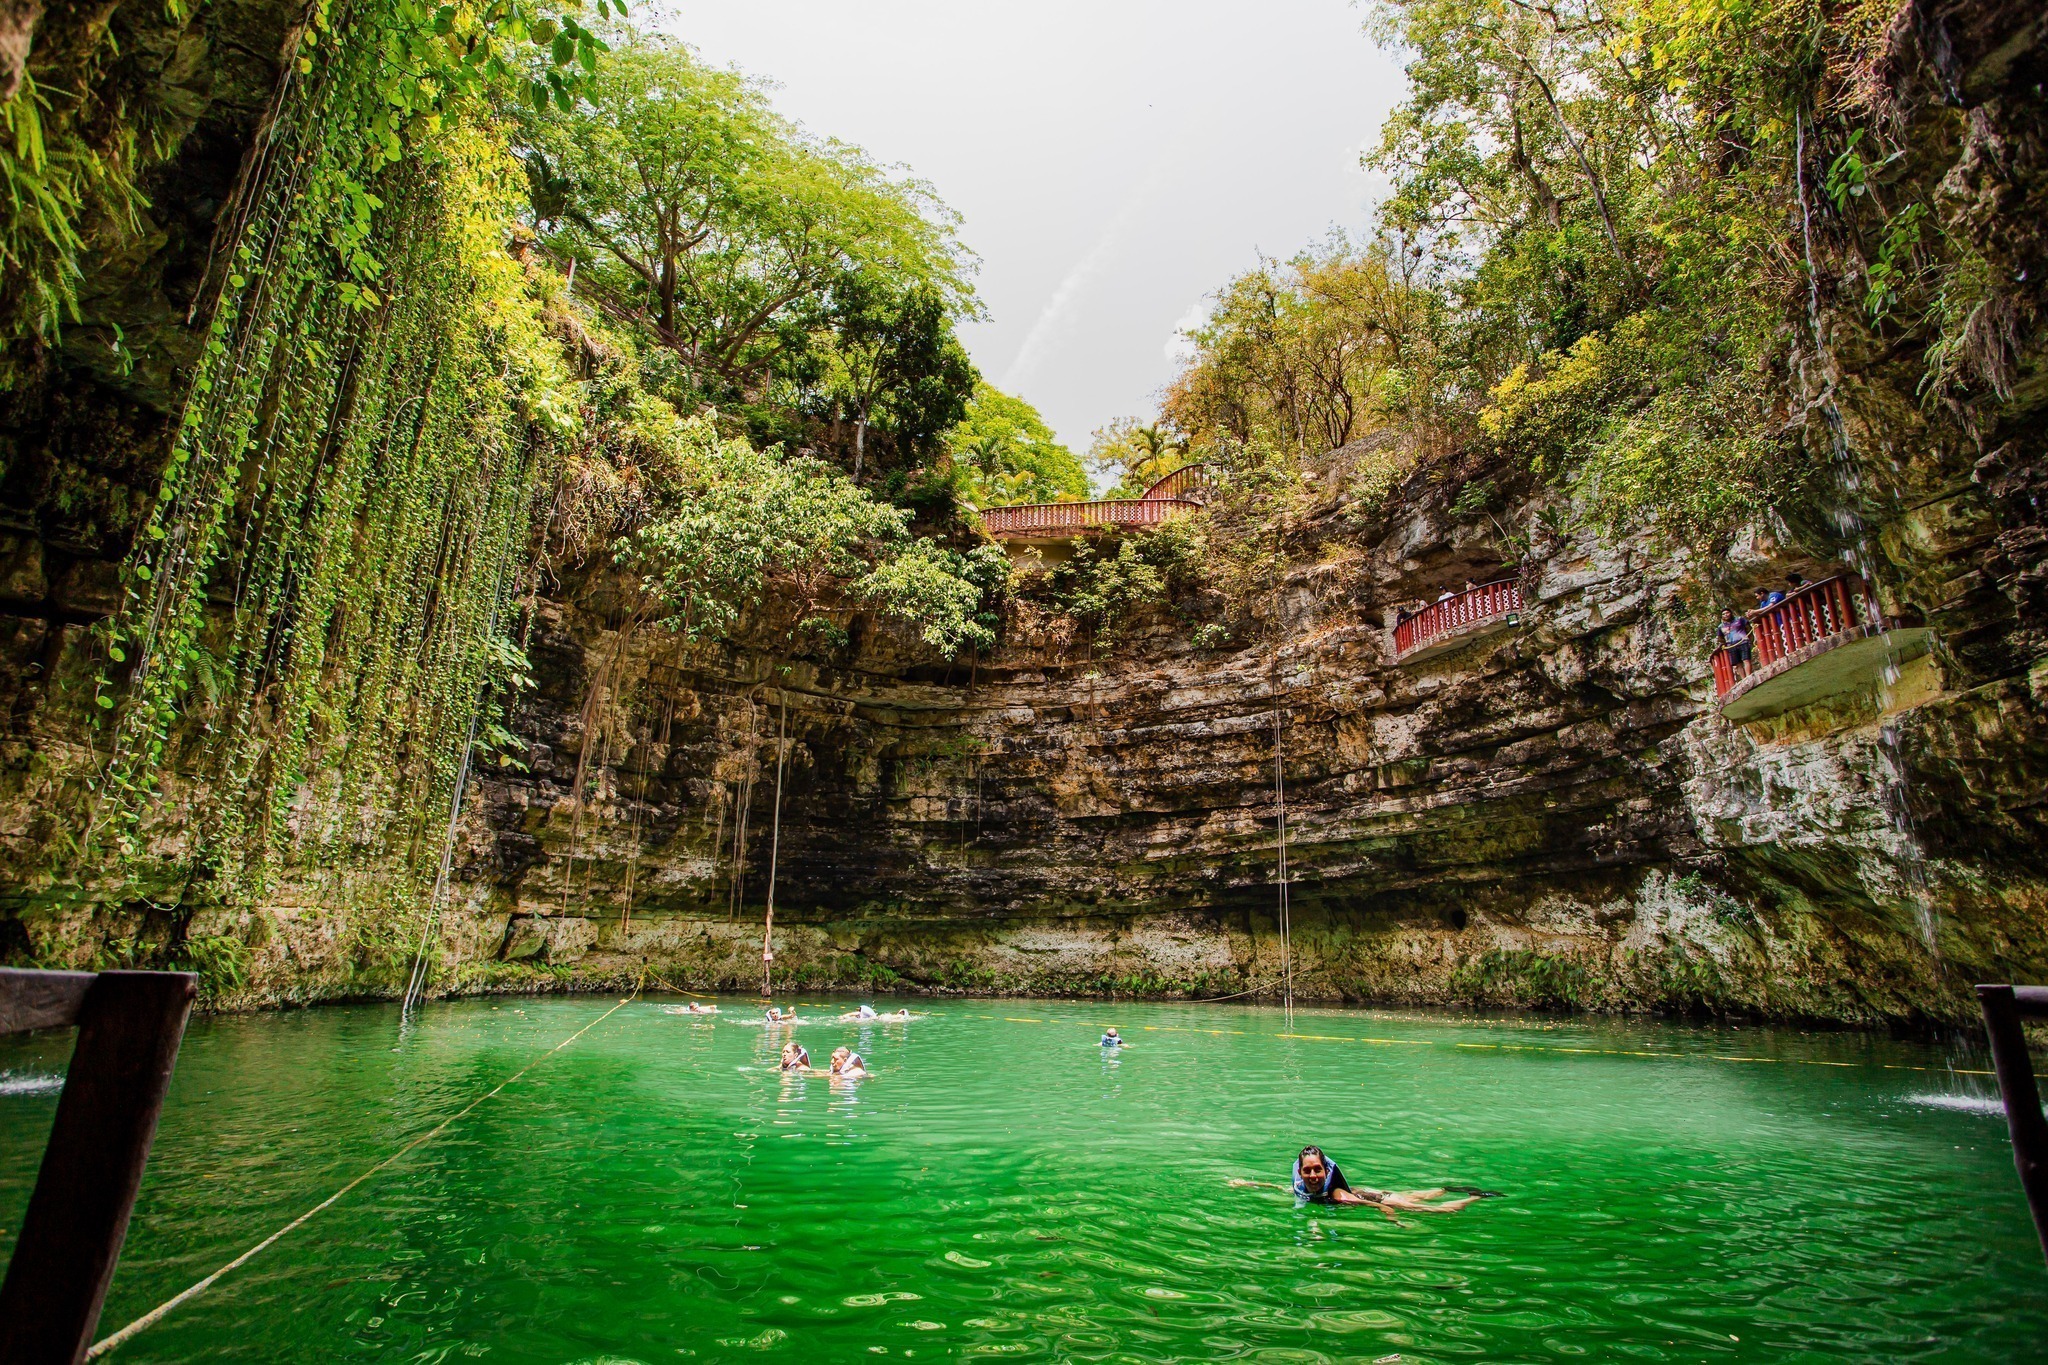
1110 1033
1313 1168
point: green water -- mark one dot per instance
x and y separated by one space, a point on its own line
658 1191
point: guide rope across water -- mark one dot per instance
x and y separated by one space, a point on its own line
193 1291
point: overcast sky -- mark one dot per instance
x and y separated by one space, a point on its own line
1115 161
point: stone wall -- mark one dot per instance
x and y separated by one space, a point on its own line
1554 816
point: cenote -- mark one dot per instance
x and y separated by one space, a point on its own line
659 1190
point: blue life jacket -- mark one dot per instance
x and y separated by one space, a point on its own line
1332 1182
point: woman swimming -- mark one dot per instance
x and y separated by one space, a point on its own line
795 1057
1318 1180
861 1015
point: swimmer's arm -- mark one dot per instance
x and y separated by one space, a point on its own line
1255 1185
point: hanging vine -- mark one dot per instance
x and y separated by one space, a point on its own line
310 615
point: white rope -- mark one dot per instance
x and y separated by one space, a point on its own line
1280 843
416 979
416 982
158 1313
1280 788
774 848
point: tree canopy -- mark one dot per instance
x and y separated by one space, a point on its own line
745 522
1003 453
1304 356
1134 455
790 279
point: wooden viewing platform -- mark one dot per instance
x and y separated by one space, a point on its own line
1828 637
1458 620
1184 490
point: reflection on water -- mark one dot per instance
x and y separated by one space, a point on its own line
1001 1186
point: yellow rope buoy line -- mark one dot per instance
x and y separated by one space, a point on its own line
162 1310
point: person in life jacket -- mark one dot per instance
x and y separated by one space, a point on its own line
1319 1180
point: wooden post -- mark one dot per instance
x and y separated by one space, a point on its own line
2003 1008
129 1028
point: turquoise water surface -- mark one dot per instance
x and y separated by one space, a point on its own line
656 1190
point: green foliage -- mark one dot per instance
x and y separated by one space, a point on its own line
1302 357
1640 444
221 960
1003 453
310 612
51 182
81 127
1105 592
1134 455
945 593
891 355
792 280
744 522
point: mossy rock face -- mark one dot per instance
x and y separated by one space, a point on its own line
1553 817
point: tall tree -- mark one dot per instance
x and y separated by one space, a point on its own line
693 208
892 356
1004 453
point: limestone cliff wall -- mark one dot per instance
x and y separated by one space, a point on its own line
1553 816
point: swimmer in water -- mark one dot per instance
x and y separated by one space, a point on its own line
1111 1038
865 1012
901 1016
848 1063
1317 1179
696 1008
795 1057
776 1016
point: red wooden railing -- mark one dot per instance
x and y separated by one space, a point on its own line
1814 613
1193 482
1184 490
1041 518
1454 613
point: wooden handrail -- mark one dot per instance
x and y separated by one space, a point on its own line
1471 607
1184 490
1056 517
1192 482
129 1028
2004 1007
1814 613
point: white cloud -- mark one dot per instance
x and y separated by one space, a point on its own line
1065 306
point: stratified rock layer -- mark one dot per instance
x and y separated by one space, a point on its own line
1554 815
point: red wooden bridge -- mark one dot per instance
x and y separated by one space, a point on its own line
1182 491
1453 620
1828 637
